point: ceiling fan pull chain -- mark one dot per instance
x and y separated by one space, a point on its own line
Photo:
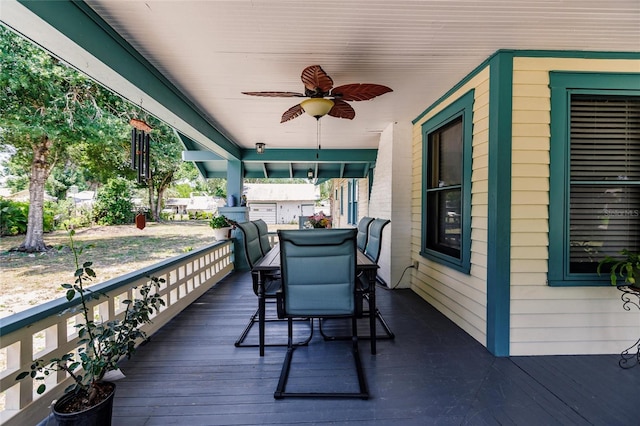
318 133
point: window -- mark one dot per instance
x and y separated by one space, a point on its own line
447 183
352 209
595 177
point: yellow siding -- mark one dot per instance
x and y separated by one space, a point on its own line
551 320
461 297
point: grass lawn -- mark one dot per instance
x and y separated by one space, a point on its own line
31 279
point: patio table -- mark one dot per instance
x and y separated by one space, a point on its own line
270 264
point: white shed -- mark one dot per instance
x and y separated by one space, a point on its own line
280 203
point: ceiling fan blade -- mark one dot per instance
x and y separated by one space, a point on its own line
341 109
359 91
316 81
275 94
291 113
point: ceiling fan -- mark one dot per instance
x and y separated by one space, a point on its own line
323 97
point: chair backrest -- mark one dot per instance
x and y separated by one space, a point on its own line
363 232
263 232
374 243
318 272
251 239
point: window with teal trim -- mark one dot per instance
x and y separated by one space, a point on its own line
595 174
352 208
446 184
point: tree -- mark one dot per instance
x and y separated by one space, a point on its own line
48 113
165 156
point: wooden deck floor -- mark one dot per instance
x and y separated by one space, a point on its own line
433 373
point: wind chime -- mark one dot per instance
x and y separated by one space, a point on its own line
140 149
140 158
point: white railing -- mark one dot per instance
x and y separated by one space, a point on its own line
48 330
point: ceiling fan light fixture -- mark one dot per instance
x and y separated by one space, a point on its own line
260 146
317 107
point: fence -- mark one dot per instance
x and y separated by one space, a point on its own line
48 330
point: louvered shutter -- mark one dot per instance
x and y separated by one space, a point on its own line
604 215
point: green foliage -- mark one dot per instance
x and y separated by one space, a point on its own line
219 222
626 267
182 190
113 203
13 217
105 343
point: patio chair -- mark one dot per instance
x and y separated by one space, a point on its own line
318 281
263 232
253 253
372 251
363 232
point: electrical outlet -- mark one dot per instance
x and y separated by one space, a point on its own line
415 264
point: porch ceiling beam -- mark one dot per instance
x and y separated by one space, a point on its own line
200 156
309 155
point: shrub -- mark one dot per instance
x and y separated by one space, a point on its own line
13 217
113 203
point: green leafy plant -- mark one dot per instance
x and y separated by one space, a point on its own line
626 266
220 221
105 343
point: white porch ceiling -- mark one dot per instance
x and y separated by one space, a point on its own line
214 50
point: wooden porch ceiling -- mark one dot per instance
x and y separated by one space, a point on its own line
188 62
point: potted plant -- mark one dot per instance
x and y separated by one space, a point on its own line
90 398
319 220
221 227
626 267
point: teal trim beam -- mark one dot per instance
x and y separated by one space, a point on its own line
309 155
77 21
499 215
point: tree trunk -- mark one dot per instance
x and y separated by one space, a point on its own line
40 170
152 202
158 206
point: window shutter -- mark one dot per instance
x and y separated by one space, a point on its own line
604 178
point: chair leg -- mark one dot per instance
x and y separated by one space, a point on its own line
281 392
286 366
362 380
253 320
388 334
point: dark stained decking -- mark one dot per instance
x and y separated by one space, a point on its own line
433 373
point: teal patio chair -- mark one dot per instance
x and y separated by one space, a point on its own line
272 283
372 251
318 281
263 232
363 232
253 253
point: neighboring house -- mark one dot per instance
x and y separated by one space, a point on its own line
525 174
281 203
24 196
82 199
193 204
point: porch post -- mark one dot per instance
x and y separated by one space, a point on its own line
235 212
